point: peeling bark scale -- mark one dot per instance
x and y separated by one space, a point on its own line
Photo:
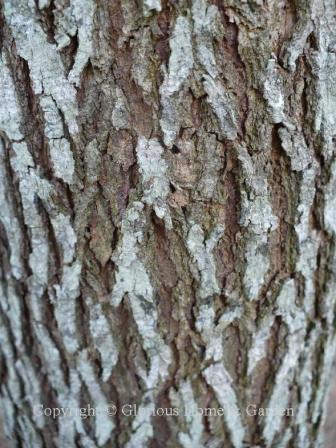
167 222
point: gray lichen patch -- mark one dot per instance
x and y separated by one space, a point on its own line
258 218
9 219
257 351
212 162
306 381
201 252
153 170
62 159
308 237
142 65
83 11
65 236
131 275
257 265
216 375
207 27
10 117
223 105
53 127
273 92
296 322
142 429
181 58
65 305
303 29
132 278
60 151
219 379
30 185
295 146
46 69
120 114
181 62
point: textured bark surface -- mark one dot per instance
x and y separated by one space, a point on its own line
167 220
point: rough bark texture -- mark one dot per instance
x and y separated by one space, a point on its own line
167 220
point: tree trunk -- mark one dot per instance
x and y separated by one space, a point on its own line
167 222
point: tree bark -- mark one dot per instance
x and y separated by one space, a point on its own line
167 221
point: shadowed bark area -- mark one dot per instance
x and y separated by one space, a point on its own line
167 221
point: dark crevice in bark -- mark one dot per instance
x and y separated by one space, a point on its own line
229 249
46 18
2 28
285 188
68 55
15 198
229 47
33 122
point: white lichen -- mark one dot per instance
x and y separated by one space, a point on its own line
330 201
181 57
142 429
308 237
273 92
65 236
38 259
258 350
32 387
131 275
62 159
184 400
83 11
103 339
221 382
103 422
320 402
151 5
11 305
45 64
43 3
53 125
